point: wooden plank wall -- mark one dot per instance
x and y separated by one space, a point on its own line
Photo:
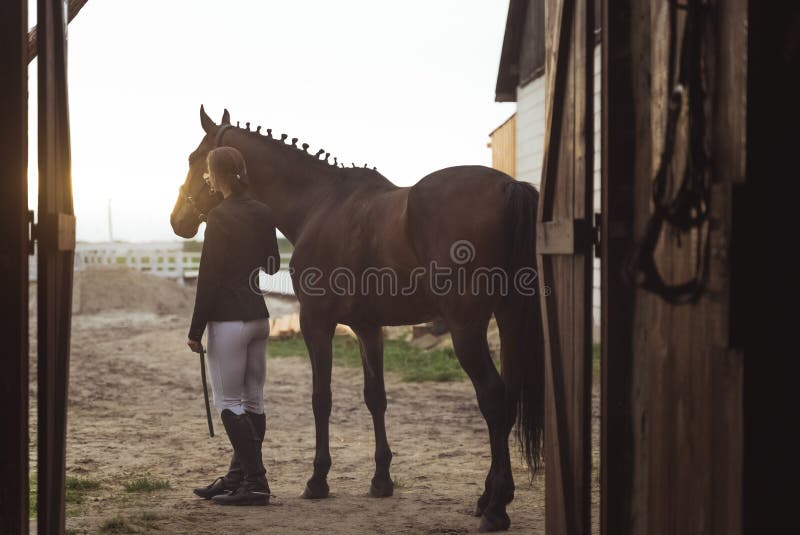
686 381
566 273
503 142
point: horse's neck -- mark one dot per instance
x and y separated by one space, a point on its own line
290 181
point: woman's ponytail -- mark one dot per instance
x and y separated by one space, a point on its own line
228 164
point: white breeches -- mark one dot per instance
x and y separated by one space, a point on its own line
237 363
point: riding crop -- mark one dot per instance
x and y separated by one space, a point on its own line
205 390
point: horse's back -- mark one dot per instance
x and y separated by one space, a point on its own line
461 175
459 206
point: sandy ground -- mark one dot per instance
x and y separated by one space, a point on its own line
136 408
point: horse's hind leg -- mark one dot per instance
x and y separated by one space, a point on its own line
472 350
510 326
371 343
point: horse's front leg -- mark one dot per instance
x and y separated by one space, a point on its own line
371 343
318 336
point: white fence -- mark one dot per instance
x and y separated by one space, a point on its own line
167 260
163 259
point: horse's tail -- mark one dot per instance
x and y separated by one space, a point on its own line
523 360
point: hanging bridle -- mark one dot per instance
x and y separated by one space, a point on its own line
682 207
188 198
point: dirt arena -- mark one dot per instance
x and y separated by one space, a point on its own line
136 410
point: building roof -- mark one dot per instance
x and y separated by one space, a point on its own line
522 57
502 124
508 72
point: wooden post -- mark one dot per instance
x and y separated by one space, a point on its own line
56 244
74 6
14 266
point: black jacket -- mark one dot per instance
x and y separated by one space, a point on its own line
239 238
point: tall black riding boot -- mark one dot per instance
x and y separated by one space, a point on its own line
227 483
260 426
246 442
260 423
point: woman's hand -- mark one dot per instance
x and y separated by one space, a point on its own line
194 345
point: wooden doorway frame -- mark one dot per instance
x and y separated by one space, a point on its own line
564 252
55 237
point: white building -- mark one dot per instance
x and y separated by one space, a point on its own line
521 79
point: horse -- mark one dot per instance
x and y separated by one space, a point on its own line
440 249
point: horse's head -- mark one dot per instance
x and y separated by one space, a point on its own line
195 199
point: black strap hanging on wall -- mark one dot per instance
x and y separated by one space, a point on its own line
688 207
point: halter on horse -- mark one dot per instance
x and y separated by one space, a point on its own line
198 212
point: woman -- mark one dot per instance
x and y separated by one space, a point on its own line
239 239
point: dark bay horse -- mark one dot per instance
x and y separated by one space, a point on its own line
459 245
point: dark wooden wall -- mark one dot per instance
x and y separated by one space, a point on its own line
672 407
765 295
14 266
617 297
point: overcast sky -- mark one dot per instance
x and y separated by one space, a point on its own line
406 86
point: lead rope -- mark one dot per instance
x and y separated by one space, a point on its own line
688 208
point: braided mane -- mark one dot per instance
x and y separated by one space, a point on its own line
318 156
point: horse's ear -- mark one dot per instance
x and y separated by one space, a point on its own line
226 117
205 121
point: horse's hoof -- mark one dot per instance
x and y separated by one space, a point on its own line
494 523
316 491
381 488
